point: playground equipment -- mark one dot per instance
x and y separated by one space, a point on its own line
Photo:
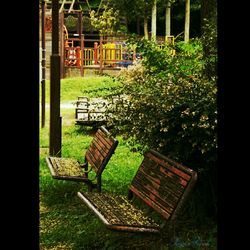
104 52
84 51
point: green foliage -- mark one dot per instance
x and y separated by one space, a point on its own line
209 42
172 107
86 24
71 22
106 22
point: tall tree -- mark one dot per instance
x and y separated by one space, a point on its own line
208 12
134 8
168 19
153 20
209 36
187 21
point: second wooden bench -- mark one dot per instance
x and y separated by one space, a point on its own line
96 158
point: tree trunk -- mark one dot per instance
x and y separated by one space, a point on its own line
187 20
145 26
168 19
153 21
209 36
208 12
138 30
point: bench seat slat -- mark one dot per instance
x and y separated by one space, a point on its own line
118 213
66 168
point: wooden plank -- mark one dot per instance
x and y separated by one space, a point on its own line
170 181
95 163
166 164
159 184
57 169
160 195
100 149
156 206
105 138
118 213
97 152
102 146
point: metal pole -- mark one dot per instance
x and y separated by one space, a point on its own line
55 119
43 62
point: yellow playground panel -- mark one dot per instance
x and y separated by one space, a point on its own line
169 40
112 52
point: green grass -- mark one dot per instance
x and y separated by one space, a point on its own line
66 223
71 88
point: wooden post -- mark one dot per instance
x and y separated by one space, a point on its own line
80 23
43 64
62 47
81 36
95 52
101 55
55 119
82 55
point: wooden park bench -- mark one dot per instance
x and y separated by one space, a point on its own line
92 112
159 184
96 158
89 112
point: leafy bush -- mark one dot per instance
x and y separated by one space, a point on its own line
171 106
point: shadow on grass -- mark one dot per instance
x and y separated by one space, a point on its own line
67 223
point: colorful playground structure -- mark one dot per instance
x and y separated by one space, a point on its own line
104 52
91 51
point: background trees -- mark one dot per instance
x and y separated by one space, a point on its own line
136 15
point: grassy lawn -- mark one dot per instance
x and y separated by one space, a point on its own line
65 222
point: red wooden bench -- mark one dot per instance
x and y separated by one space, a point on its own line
160 184
96 158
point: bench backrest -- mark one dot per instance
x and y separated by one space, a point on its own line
100 150
162 183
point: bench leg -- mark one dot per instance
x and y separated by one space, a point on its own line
99 184
90 187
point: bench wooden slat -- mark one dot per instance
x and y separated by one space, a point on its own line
103 147
103 138
159 183
154 195
95 162
117 213
66 169
99 152
168 174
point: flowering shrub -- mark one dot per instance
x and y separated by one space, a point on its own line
172 107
